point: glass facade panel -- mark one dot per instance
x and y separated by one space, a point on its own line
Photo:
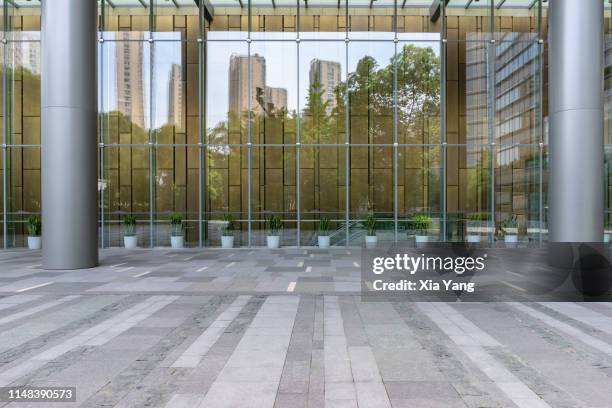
303 111
518 204
468 190
125 190
22 133
322 75
420 185
273 193
322 190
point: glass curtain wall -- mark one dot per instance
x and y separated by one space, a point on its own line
302 111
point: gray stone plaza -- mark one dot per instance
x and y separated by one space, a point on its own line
284 328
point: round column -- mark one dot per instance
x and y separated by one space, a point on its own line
69 134
576 181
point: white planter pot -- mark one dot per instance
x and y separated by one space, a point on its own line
511 240
606 238
371 241
130 241
273 241
177 242
34 242
323 241
473 239
421 240
227 242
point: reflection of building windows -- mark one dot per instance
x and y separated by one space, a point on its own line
513 112
239 91
276 99
328 74
130 76
175 96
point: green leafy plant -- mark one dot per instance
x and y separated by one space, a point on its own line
129 222
274 225
509 223
369 223
34 226
228 225
475 220
324 227
176 225
419 224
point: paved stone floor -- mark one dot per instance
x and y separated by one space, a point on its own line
242 328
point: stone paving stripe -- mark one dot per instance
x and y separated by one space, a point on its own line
119 264
113 327
125 269
33 310
142 274
565 328
34 287
356 264
520 275
229 265
514 286
339 385
189 258
308 269
202 269
291 287
202 345
596 320
97 335
184 401
519 393
252 375
34 266
12 301
463 330
300 264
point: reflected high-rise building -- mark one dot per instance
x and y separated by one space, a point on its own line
130 76
175 96
509 118
26 52
276 99
239 83
329 75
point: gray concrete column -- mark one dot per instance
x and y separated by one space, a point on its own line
69 134
576 180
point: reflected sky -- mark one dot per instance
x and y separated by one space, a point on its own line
157 59
282 62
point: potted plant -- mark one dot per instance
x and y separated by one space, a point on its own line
177 239
474 222
34 227
227 233
510 229
275 225
369 223
419 224
130 240
323 237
